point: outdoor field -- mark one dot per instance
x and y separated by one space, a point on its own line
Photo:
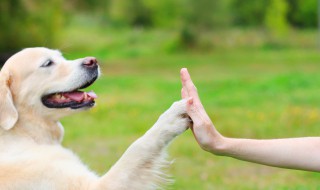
256 65
249 93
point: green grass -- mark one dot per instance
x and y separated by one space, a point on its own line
248 93
254 94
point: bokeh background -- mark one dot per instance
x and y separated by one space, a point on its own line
255 63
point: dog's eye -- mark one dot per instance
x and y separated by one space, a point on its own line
48 63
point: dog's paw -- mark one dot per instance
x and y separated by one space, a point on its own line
175 120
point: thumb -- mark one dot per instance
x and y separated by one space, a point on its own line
190 101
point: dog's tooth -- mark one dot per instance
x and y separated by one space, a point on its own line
85 95
63 98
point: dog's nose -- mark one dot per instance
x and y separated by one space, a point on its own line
90 62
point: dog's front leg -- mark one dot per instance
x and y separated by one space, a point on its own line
140 166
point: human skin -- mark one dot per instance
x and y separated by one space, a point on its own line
293 153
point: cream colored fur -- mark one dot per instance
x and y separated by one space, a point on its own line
31 156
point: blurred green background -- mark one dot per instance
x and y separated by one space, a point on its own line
255 63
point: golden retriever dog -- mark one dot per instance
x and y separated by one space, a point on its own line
38 86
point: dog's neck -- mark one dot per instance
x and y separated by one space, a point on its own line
41 130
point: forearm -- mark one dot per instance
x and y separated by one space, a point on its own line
294 153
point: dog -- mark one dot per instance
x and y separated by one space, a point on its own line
38 86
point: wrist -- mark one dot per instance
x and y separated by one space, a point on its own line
212 141
219 145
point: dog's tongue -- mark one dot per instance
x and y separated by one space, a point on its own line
92 94
80 96
76 96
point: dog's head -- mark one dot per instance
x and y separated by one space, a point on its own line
42 82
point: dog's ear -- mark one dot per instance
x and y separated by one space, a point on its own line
8 112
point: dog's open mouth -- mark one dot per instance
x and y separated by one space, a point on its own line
74 99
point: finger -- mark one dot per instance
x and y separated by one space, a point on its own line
191 90
184 76
188 84
190 100
184 93
197 112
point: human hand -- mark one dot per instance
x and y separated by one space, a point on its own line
203 129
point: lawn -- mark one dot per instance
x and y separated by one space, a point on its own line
248 93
